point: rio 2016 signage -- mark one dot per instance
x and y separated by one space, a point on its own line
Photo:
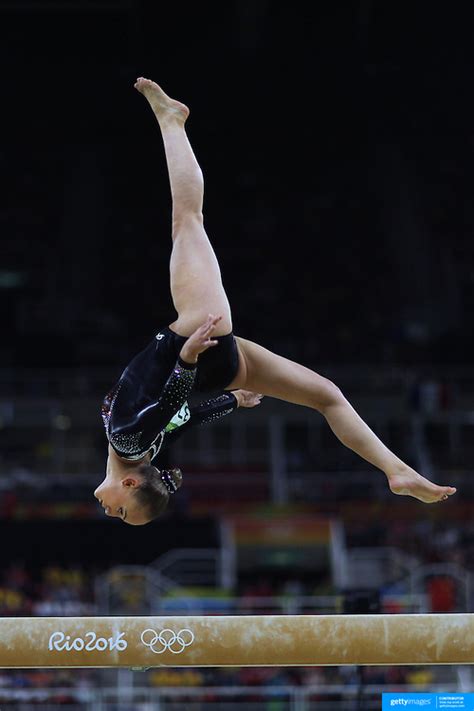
158 642
61 642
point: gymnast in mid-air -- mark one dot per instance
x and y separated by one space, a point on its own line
148 408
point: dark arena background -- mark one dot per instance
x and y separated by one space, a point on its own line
337 145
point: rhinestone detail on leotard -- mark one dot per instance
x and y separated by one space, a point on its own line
178 387
127 443
107 405
215 415
134 445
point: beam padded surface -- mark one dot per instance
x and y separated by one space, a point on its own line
254 640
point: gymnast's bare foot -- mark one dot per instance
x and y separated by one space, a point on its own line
163 106
408 482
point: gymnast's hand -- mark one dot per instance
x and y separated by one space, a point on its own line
200 340
245 398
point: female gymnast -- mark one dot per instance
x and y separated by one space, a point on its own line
148 407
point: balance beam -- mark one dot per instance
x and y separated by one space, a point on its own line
250 640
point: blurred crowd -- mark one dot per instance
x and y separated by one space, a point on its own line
70 687
53 591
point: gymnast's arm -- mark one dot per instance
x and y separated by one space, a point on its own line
211 410
153 418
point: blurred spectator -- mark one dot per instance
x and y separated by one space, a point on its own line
442 591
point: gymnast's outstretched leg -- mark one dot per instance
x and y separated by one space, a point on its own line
272 375
195 278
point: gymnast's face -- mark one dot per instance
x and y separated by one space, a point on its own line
116 494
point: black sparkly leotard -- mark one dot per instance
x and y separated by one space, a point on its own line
148 408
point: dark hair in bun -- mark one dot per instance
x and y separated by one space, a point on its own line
154 492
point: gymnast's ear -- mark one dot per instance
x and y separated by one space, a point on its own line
130 482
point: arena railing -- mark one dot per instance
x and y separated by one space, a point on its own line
321 697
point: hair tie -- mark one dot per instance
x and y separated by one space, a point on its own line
168 481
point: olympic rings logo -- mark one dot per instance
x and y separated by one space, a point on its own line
167 640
